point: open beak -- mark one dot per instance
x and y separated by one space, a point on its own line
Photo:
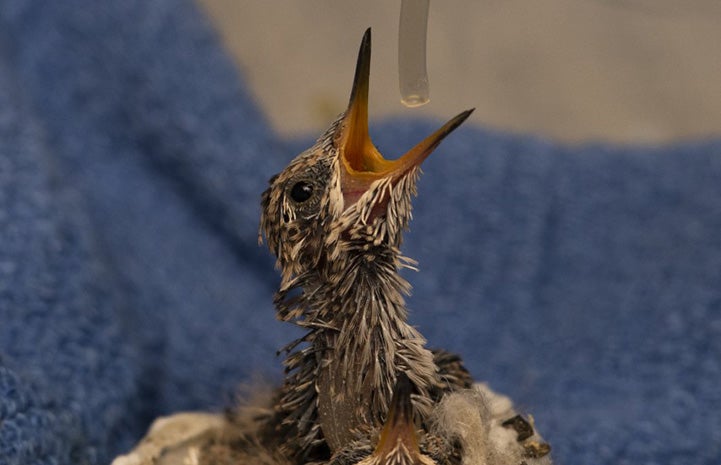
399 426
361 161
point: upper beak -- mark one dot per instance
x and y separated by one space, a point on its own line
361 161
399 426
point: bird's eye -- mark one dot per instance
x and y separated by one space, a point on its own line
301 191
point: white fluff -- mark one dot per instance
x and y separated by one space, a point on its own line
171 433
475 417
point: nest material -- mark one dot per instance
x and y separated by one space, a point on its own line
485 423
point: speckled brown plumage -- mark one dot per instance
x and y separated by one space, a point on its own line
334 218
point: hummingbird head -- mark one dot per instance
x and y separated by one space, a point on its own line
341 197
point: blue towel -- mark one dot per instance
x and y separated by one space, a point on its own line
584 282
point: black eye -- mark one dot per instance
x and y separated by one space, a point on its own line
301 191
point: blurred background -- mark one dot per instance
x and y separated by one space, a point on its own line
621 70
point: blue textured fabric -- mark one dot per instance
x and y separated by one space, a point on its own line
584 282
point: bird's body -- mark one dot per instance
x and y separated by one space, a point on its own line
361 388
358 337
335 218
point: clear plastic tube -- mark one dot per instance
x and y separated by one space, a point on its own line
412 74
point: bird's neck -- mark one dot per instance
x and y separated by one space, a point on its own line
358 340
364 340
